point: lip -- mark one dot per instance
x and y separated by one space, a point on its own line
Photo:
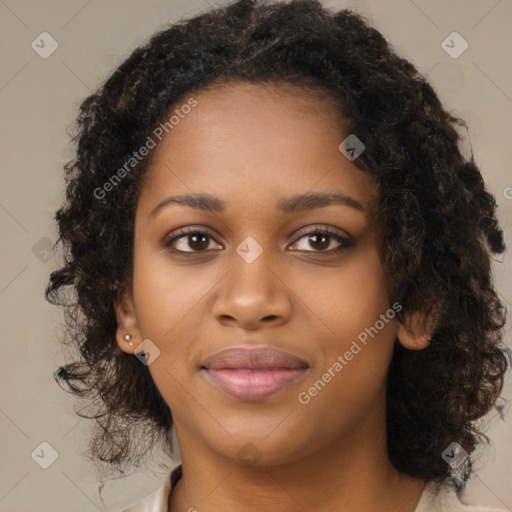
253 373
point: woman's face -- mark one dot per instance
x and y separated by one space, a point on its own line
260 278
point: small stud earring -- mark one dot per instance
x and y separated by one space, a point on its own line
128 337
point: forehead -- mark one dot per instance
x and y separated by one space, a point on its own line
252 144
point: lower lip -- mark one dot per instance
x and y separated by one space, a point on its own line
253 384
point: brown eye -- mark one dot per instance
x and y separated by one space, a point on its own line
321 239
189 241
197 241
193 240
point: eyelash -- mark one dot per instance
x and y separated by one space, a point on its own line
326 230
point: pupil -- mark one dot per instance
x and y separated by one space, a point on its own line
195 237
316 235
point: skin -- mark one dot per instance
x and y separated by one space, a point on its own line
251 145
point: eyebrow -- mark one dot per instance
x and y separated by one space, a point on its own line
292 204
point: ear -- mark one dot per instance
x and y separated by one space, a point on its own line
415 332
127 324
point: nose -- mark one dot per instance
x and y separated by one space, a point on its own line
253 296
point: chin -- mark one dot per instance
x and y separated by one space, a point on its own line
261 443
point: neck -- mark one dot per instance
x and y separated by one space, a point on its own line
353 473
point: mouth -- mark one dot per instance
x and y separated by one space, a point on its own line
251 374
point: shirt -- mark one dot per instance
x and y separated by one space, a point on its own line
435 498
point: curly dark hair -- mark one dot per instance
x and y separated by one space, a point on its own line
438 223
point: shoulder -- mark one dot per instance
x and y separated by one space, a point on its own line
443 498
157 501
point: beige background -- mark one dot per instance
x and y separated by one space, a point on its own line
38 101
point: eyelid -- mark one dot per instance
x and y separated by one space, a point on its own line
321 228
173 235
344 240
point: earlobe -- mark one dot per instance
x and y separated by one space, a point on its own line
127 333
416 331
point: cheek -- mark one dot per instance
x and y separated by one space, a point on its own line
350 383
358 346
165 294
350 298
166 302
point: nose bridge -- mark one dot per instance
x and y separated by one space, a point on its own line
252 291
252 275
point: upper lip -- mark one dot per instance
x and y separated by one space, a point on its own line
259 358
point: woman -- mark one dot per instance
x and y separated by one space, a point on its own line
278 249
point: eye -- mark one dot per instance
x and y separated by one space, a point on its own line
322 239
190 240
193 240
